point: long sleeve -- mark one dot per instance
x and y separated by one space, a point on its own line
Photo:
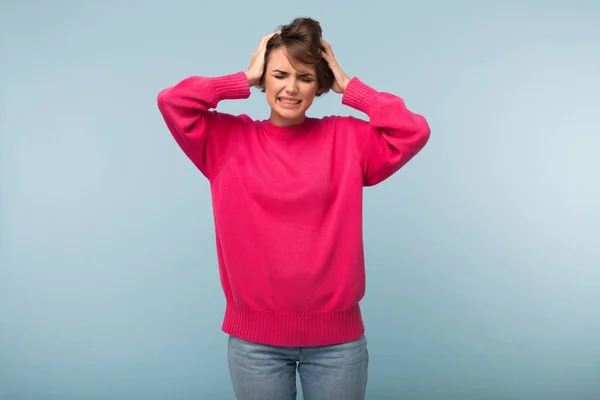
391 138
206 136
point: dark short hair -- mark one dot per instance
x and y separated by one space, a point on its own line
301 39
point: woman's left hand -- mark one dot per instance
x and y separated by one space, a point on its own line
341 79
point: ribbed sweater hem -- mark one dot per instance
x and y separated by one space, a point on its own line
294 329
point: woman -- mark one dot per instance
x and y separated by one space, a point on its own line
287 200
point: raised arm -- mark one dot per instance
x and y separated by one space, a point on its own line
393 135
391 138
205 136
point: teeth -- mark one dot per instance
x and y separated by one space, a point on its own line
290 101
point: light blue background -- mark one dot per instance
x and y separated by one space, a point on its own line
483 253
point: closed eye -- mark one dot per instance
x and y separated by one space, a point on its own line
304 79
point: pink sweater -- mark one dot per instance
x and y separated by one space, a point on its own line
287 204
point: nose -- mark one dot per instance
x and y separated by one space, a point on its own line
291 86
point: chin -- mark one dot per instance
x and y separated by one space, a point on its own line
290 113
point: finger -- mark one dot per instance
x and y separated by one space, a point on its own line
263 42
329 58
266 38
328 52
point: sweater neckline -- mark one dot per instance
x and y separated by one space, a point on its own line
293 130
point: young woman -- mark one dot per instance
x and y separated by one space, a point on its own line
287 201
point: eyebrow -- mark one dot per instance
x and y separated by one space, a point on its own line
287 73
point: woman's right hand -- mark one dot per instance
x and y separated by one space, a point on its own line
255 70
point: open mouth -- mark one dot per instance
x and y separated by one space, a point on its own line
289 102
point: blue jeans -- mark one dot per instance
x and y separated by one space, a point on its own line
261 372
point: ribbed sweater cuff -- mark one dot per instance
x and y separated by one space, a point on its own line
232 86
359 95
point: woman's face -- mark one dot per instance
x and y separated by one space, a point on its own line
290 91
